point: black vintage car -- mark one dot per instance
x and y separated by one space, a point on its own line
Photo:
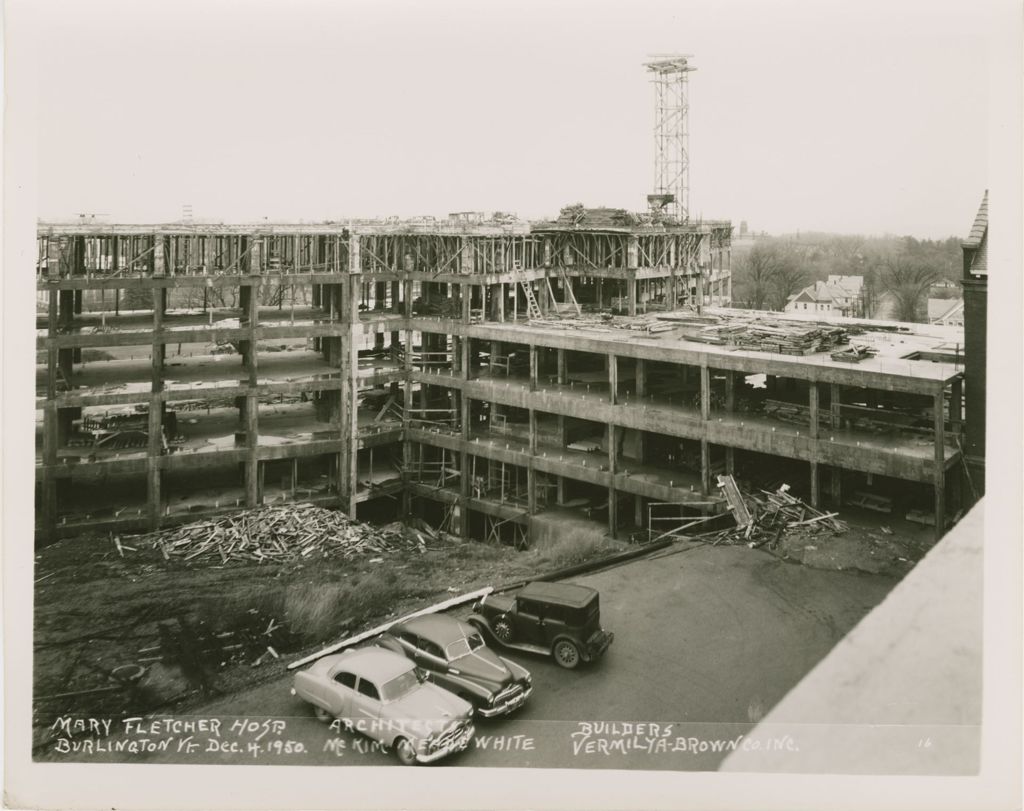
558 619
453 656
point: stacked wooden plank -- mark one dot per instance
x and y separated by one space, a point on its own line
275 534
773 513
854 353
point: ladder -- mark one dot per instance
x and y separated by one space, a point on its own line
532 308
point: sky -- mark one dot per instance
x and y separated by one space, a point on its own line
853 117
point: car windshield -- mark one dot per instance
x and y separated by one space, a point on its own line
399 686
463 647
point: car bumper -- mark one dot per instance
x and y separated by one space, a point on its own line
598 644
511 704
456 744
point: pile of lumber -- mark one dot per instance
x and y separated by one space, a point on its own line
771 514
275 534
854 353
766 334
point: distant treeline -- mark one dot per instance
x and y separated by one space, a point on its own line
769 270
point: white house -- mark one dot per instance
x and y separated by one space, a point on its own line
840 295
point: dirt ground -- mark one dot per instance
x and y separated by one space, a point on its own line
200 631
133 633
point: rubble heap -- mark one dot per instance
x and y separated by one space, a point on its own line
771 514
277 533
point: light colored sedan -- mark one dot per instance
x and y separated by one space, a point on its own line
384 696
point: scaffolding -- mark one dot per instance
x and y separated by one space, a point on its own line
671 133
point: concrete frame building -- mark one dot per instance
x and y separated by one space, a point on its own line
392 369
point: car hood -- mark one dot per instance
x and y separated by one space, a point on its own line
427 703
484 665
499 603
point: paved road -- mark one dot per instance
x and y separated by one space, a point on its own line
706 642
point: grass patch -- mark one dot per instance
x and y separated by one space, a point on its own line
577 546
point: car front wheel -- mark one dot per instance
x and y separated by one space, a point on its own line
405 752
566 654
503 630
322 714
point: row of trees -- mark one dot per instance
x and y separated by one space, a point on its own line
900 270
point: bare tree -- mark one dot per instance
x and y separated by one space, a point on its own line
789 278
908 282
767 276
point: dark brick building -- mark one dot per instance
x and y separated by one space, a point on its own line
975 284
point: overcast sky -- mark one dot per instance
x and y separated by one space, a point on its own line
854 117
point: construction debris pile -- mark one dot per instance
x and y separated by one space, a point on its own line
763 518
777 336
854 353
277 534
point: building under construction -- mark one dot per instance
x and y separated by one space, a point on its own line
485 375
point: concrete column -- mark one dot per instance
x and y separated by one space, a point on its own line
50 442
613 379
159 268
956 407
252 489
631 296
464 345
815 495
54 251
835 405
562 371
154 453
813 404
705 467
255 256
705 393
533 368
466 298
354 256
641 378
499 289
939 472
467 255
730 391
633 252
613 436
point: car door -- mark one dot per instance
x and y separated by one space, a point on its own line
366 702
530 622
432 658
340 692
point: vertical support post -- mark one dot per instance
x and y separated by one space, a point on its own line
956 407
730 407
813 408
154 497
815 490
835 406
705 466
533 367
562 371
613 379
252 488
158 255
939 472
631 296
705 393
641 378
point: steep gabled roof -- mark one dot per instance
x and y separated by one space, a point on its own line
980 227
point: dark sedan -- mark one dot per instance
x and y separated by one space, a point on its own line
455 657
